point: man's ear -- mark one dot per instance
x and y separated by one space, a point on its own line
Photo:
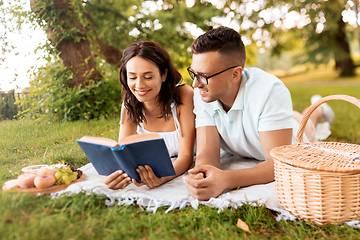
164 76
237 73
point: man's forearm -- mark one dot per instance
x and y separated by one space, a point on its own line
260 174
208 146
208 159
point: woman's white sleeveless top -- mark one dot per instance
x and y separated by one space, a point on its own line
171 139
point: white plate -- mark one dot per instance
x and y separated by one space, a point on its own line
59 165
33 168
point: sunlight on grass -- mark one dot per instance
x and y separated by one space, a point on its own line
325 75
29 142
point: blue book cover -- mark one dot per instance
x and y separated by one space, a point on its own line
107 159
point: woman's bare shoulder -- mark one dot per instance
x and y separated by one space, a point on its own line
186 92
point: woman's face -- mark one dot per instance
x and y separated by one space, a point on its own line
144 79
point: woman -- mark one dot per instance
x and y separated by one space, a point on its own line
154 102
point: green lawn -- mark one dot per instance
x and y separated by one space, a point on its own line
82 216
346 126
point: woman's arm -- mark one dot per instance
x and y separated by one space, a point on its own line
186 146
187 127
127 128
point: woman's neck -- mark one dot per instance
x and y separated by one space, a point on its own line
152 108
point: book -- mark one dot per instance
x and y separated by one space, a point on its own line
108 156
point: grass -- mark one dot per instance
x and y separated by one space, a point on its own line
82 216
345 127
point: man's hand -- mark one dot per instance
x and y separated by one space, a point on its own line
117 180
148 177
205 181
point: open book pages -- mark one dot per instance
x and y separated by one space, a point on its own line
128 139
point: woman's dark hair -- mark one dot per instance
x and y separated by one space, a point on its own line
225 40
168 93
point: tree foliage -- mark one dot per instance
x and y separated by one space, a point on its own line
8 109
79 30
319 25
11 17
326 35
11 20
53 97
88 36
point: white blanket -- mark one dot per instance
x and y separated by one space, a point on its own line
174 193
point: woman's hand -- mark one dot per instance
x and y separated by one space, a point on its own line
117 180
148 177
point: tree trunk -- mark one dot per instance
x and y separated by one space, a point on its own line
76 55
343 60
110 53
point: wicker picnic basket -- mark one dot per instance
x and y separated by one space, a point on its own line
319 181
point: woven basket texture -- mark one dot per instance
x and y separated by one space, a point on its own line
319 182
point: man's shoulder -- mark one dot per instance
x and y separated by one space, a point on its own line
260 85
255 74
257 80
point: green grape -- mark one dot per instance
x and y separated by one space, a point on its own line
73 176
68 181
65 178
59 181
58 175
66 174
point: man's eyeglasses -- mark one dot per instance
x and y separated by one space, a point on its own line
204 80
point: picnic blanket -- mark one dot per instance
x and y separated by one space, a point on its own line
173 194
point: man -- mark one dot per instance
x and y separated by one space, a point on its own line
246 112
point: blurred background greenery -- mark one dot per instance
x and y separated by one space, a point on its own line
85 39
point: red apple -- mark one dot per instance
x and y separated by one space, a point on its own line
26 180
45 171
44 181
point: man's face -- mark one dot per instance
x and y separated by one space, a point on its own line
207 64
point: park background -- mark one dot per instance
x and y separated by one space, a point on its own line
312 46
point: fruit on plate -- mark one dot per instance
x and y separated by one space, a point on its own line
44 181
10 184
45 171
66 174
44 176
26 180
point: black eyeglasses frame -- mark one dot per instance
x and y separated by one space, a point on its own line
194 75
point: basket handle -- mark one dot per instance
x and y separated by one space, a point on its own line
311 109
